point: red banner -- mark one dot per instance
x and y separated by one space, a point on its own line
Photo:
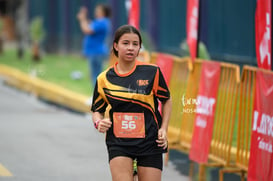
192 26
205 110
261 155
165 62
134 14
263 33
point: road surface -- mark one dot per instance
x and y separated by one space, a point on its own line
42 142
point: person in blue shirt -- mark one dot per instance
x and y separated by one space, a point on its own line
95 46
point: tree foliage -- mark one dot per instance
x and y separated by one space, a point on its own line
37 32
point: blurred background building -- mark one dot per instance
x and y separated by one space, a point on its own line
226 27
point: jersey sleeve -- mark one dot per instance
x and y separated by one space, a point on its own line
98 103
161 89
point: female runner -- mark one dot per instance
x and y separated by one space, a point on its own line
136 129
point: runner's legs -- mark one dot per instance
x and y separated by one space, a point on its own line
121 168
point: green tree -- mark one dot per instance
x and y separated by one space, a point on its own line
37 34
202 50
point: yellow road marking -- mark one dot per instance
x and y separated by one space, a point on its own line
4 172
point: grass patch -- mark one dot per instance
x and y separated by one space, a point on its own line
53 68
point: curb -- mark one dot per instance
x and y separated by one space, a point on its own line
45 89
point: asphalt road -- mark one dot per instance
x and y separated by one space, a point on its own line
42 142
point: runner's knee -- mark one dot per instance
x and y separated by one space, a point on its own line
148 174
121 169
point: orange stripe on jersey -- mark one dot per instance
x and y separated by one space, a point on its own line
162 89
156 80
101 106
162 96
139 97
131 71
126 74
97 100
103 82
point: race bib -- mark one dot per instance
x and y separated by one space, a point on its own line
129 125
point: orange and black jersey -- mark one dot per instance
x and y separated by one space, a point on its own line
135 92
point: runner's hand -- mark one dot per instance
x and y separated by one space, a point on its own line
162 139
104 125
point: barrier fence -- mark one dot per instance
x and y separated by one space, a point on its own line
247 91
178 86
188 116
230 143
221 142
225 117
179 69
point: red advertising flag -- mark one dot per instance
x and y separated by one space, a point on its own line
261 152
165 62
205 110
263 33
134 14
192 26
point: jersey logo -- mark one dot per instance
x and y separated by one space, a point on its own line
142 82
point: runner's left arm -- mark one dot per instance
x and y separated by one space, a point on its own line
162 140
163 94
166 113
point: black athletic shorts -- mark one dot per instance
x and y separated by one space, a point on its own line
154 161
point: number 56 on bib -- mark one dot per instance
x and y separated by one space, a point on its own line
129 125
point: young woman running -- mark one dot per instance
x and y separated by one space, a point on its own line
136 129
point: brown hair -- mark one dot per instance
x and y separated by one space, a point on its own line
106 9
123 30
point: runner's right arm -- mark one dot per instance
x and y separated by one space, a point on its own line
101 123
